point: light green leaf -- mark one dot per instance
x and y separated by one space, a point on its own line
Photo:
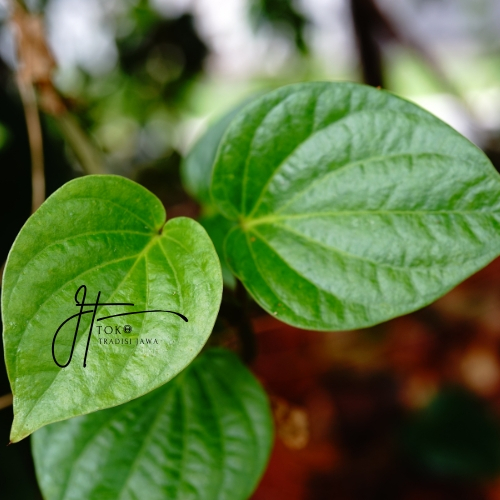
354 206
109 234
196 168
205 435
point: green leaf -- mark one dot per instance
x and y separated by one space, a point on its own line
204 435
196 168
353 206
217 228
109 234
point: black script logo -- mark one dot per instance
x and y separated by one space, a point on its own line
82 304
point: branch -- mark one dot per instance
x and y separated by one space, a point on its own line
34 78
34 63
28 98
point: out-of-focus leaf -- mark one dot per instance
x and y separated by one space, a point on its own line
282 15
456 436
196 168
205 435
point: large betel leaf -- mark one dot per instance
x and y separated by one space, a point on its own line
109 234
354 206
205 435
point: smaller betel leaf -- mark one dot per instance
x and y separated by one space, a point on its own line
206 435
353 205
103 239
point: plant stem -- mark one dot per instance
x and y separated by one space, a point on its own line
28 98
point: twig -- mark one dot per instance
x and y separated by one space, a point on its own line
372 27
5 401
34 79
35 64
28 98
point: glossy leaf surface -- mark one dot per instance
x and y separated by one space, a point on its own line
109 234
205 435
354 206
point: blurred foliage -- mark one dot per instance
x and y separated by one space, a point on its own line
133 110
284 17
455 435
161 54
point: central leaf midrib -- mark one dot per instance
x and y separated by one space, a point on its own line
405 269
247 224
157 420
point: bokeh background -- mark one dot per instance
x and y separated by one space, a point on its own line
407 410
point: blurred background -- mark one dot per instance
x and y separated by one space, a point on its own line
409 409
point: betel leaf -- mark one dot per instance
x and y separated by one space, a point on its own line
109 234
205 435
353 205
196 168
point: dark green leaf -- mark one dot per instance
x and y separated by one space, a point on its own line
456 436
354 206
205 435
217 228
109 234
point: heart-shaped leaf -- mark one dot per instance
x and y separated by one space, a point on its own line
354 206
108 234
206 435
